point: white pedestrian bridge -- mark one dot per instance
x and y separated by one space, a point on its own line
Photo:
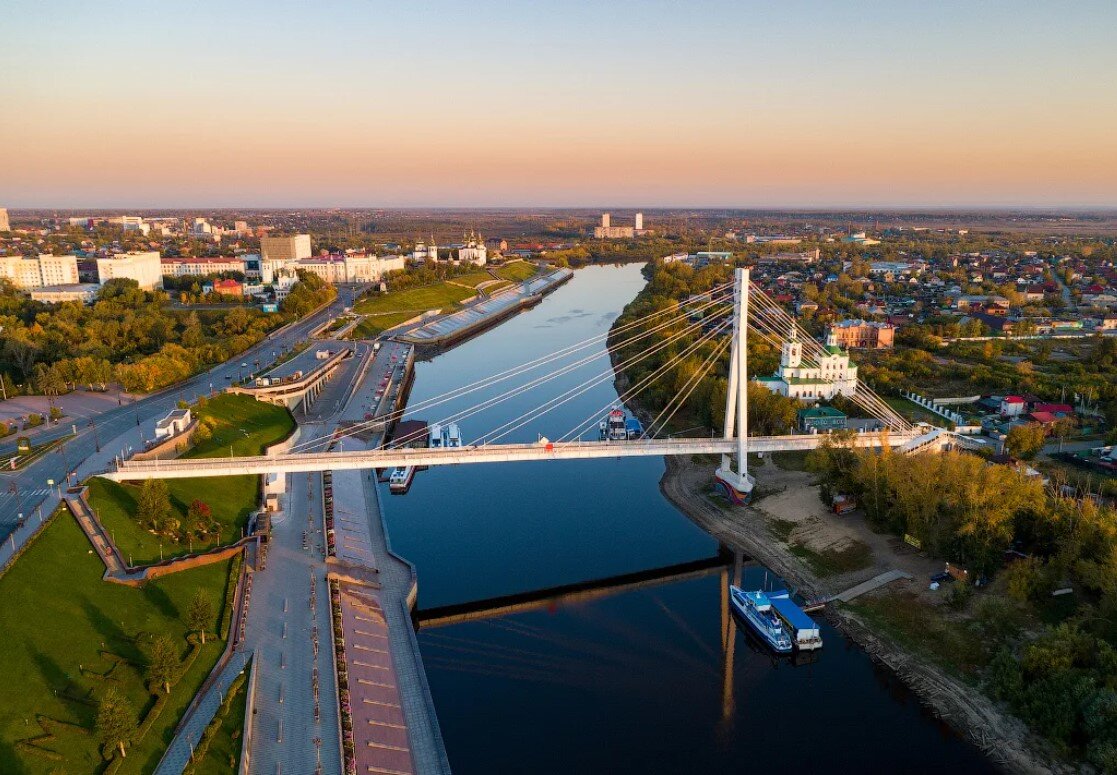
338 460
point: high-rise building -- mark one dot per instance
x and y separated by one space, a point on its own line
291 248
142 266
46 269
639 221
5 225
607 231
605 220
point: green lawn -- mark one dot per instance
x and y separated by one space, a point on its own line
517 271
442 296
223 754
473 279
370 327
914 412
240 424
62 624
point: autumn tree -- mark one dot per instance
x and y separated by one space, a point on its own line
154 504
1025 441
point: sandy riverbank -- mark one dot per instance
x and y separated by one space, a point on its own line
789 513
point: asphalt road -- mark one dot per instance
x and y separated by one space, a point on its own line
21 492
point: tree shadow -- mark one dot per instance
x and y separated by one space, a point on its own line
52 673
155 595
10 762
109 630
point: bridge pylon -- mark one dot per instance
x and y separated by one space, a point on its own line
737 484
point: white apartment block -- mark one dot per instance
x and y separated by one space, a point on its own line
86 293
46 269
291 248
4 224
191 265
144 267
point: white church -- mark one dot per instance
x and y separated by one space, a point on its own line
473 251
833 376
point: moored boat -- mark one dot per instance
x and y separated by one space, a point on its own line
755 608
805 634
399 481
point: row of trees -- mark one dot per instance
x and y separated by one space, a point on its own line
117 718
128 335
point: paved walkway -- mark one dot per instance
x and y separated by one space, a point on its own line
868 586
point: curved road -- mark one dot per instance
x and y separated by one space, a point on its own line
25 491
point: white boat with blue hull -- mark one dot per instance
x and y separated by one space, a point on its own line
755 608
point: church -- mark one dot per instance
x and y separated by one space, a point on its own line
834 375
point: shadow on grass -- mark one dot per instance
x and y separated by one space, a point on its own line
114 635
155 595
10 762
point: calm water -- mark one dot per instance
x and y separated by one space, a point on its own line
638 681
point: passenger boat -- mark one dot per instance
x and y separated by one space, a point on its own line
613 427
755 608
435 436
399 481
805 634
452 436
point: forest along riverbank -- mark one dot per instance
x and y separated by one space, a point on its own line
788 529
657 679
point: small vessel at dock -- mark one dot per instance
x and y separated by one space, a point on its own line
399 481
805 634
618 426
756 609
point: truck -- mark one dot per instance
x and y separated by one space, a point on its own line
322 355
843 504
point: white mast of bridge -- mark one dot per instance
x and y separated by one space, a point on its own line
738 484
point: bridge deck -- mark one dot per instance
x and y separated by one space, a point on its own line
490 453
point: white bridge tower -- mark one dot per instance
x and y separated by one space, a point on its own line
737 484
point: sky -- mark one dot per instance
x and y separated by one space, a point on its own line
706 103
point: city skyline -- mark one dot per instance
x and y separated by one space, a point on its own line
630 105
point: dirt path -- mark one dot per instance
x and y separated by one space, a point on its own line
757 531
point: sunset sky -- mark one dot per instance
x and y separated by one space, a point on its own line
478 103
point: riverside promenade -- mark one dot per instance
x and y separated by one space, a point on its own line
447 329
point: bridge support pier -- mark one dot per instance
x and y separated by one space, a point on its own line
737 484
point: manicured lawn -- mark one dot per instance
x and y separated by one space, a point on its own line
442 296
371 326
61 625
517 271
223 754
241 426
473 279
914 412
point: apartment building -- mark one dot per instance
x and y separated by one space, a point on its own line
145 267
45 269
292 248
189 265
863 333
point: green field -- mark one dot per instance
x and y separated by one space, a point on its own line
444 296
914 412
517 271
371 326
241 426
62 626
222 754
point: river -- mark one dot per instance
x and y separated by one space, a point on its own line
638 681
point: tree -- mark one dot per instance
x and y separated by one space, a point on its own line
163 662
154 505
200 614
1025 441
116 720
199 516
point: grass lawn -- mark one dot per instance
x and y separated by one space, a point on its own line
517 271
223 754
833 562
62 624
371 326
473 279
925 629
914 412
240 423
444 296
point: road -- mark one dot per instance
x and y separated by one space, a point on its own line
24 491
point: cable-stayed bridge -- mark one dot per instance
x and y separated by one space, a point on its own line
699 330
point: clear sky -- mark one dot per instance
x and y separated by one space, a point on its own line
116 103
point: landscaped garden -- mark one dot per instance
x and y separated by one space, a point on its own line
88 661
160 519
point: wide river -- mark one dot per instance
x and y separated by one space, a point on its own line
637 681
